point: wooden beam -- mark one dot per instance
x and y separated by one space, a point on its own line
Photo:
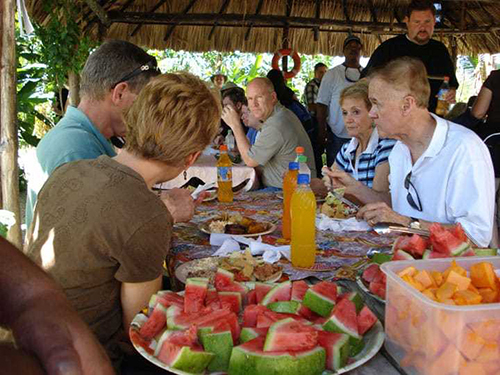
271 21
374 17
87 14
151 11
185 11
221 10
285 41
318 16
8 121
99 11
257 12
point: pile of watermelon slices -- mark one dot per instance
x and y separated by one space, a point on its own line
287 328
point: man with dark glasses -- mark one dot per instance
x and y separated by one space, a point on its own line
331 129
439 171
111 79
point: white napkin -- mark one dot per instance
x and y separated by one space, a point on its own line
230 243
201 188
324 222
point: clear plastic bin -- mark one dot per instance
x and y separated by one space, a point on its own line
431 338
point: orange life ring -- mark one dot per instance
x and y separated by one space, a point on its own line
296 62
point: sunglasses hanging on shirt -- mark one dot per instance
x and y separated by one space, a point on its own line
352 80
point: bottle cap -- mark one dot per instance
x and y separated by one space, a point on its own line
299 150
293 166
302 159
303 179
223 148
446 78
229 132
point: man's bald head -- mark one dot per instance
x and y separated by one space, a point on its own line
261 98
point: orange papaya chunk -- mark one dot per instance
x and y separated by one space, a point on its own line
438 277
450 323
492 367
411 271
454 267
466 297
489 295
472 288
446 291
460 281
424 278
483 275
448 301
470 344
430 294
417 285
489 352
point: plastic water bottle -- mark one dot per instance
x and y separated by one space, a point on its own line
230 141
442 105
289 185
302 160
303 215
224 176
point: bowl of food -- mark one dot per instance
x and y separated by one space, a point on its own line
238 225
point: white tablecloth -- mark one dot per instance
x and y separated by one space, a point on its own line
205 169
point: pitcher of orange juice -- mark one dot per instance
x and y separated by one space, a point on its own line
303 215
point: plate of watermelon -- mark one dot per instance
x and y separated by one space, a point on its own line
285 328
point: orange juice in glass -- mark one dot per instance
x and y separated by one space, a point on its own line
303 216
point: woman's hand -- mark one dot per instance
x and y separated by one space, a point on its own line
380 212
230 116
340 179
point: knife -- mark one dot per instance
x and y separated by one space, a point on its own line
344 200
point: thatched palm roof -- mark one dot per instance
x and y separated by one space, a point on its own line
309 26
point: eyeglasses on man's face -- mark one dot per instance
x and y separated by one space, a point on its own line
150 65
417 205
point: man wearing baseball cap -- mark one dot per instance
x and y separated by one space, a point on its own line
331 129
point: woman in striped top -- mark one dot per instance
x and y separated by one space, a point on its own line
362 163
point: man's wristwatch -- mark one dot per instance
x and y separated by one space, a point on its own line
414 223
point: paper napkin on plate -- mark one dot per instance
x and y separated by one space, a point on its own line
324 222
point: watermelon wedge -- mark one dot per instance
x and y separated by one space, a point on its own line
355 298
344 320
223 278
446 241
166 298
156 322
220 343
184 358
230 301
321 298
261 289
291 307
288 334
337 348
250 333
251 313
402 255
249 358
281 292
299 289
366 320
195 294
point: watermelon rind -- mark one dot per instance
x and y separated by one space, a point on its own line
247 362
172 313
288 334
333 324
339 352
247 334
200 281
460 249
355 347
276 291
291 307
485 252
193 361
318 303
221 345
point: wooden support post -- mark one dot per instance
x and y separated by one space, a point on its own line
8 120
74 89
454 50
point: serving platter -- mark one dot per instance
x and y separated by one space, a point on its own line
205 228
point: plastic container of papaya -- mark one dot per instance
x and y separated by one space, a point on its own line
431 338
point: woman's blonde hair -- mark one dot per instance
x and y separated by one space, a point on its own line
359 90
406 74
174 116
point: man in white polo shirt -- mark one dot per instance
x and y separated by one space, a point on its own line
440 171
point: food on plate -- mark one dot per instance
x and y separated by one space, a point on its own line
236 224
335 208
242 265
456 286
211 337
374 279
208 194
442 243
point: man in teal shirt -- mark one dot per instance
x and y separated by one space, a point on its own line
110 81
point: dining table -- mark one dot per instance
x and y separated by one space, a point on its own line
336 252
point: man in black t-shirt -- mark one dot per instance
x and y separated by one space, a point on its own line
420 19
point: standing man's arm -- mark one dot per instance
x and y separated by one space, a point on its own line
322 105
43 321
310 99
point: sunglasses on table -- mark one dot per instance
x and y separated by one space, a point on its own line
417 205
150 65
